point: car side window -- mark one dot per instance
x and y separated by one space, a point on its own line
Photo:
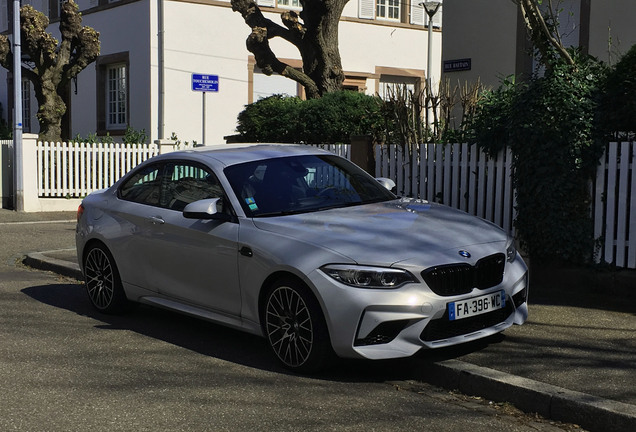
186 182
144 186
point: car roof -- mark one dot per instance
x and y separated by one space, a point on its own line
231 154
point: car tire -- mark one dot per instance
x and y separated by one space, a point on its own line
295 327
102 281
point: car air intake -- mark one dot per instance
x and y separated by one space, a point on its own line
384 333
461 278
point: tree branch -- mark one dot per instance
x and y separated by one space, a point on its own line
254 18
263 30
537 26
266 60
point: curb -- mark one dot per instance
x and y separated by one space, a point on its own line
41 261
590 412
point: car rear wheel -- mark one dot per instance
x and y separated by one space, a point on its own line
295 327
102 280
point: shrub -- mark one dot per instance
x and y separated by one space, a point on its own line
332 118
548 123
271 119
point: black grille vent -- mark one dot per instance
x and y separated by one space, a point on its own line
456 279
443 328
383 333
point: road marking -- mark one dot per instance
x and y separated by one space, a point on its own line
38 222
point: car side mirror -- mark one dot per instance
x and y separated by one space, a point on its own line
205 209
386 182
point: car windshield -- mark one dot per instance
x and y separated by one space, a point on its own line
299 184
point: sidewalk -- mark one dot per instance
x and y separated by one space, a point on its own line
573 361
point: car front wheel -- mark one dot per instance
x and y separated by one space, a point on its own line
295 327
103 283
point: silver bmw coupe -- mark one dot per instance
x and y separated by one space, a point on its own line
301 247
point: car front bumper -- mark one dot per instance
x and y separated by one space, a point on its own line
392 323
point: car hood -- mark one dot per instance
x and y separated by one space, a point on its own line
388 232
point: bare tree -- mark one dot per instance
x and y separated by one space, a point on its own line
543 27
314 32
51 65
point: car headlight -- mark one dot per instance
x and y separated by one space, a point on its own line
368 277
511 251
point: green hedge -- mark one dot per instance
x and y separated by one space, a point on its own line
330 119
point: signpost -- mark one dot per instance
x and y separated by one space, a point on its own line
205 83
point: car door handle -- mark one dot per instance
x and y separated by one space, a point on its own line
156 220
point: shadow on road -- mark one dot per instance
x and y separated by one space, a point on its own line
234 346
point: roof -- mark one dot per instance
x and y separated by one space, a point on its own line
231 154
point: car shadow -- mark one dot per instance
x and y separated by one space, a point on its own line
231 345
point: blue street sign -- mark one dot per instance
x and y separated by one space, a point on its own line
205 83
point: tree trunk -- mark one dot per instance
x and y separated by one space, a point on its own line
319 50
51 109
315 36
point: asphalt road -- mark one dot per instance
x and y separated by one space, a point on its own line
63 367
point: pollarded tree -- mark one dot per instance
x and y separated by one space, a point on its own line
314 32
51 64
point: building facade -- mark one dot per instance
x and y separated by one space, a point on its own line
150 50
486 39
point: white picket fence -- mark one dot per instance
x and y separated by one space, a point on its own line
463 177
459 175
614 207
73 170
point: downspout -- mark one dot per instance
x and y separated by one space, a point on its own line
160 72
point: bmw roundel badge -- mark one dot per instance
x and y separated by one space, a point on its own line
464 253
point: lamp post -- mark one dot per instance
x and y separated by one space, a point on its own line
431 8
18 174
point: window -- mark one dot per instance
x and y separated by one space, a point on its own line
289 3
302 184
116 96
172 185
264 86
26 105
390 87
186 183
388 9
113 91
144 186
55 8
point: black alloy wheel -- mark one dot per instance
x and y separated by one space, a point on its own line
295 327
103 284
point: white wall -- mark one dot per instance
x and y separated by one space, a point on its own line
210 39
124 28
484 31
204 39
612 29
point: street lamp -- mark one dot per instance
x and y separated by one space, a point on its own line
431 8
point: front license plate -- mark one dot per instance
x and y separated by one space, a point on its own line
476 305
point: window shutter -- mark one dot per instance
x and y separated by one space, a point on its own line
267 3
366 9
437 19
417 13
